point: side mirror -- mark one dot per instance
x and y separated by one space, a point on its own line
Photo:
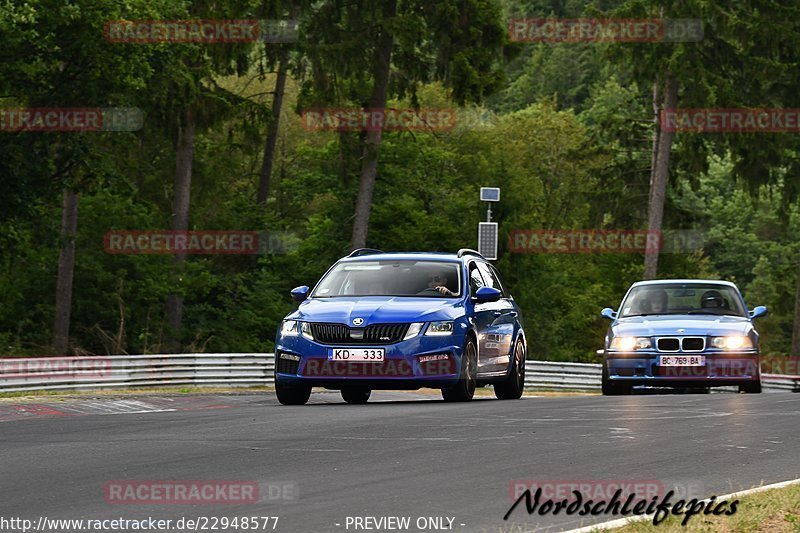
760 310
300 293
608 313
487 294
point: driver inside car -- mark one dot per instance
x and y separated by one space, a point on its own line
438 282
712 300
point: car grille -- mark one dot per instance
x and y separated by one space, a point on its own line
330 333
693 344
374 334
391 368
668 344
684 344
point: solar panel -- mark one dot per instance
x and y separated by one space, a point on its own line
490 194
487 239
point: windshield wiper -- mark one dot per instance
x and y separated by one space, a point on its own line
700 312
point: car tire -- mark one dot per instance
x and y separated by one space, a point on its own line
356 394
513 386
751 388
609 388
292 394
464 389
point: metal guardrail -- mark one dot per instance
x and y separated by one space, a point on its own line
784 383
245 370
551 375
125 371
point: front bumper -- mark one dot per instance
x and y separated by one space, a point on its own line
418 362
720 369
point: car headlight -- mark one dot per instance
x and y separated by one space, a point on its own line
289 328
413 330
629 344
440 328
732 342
293 328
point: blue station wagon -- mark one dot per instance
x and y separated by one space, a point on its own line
402 321
682 333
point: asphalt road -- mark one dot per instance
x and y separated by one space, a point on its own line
401 455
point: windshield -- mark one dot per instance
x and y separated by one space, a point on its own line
428 279
680 299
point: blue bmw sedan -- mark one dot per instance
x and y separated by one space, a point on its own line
682 333
402 321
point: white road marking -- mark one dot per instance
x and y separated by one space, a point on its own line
113 407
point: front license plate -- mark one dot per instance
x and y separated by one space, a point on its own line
681 360
364 355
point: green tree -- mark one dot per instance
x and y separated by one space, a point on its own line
365 53
55 56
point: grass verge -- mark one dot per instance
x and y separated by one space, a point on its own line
774 511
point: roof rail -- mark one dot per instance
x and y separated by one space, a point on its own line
468 251
364 251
